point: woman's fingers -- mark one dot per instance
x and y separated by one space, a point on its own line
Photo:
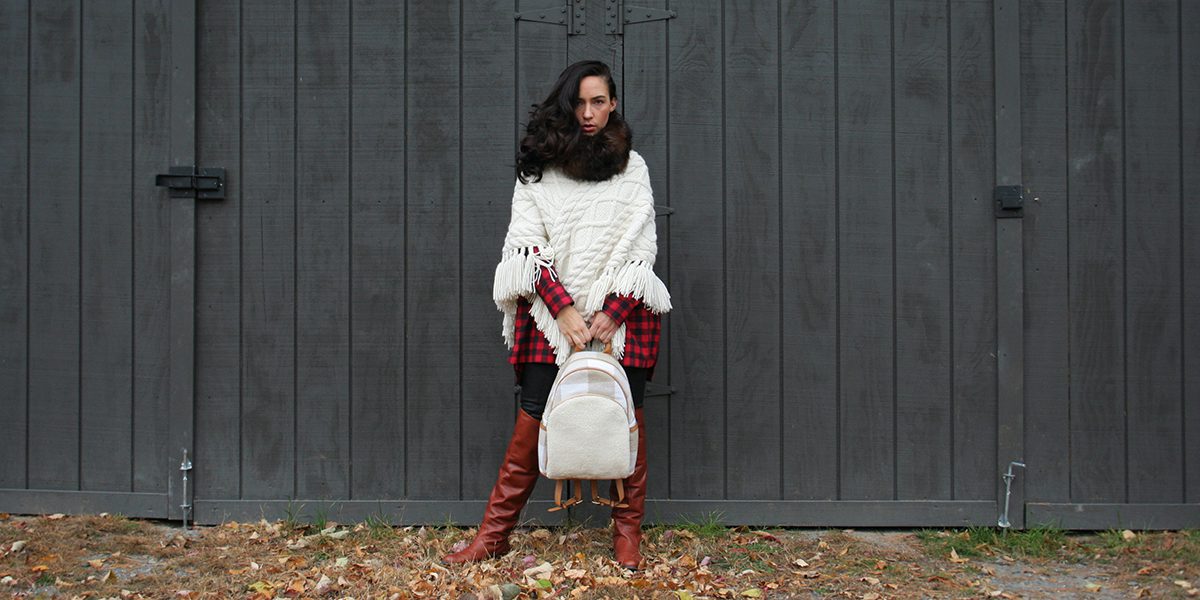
603 327
572 325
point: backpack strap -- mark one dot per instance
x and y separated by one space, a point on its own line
558 501
618 503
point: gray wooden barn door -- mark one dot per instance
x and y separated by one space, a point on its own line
1112 155
94 273
832 254
348 353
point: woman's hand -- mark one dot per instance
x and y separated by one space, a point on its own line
603 327
572 325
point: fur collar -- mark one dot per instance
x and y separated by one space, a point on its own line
599 157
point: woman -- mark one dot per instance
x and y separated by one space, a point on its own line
577 265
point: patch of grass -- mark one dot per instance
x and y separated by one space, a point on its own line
1167 546
1038 542
380 526
707 526
320 518
291 515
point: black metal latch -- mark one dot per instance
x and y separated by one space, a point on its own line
1010 201
206 183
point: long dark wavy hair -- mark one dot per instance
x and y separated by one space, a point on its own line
553 137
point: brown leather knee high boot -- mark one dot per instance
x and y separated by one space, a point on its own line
518 474
627 522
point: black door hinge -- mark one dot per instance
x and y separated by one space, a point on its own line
617 16
1010 201
206 183
572 15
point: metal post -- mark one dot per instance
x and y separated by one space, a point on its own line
186 505
1008 478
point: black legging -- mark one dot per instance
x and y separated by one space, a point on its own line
537 378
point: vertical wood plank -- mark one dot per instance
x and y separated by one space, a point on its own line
106 252
151 247
597 43
218 256
866 251
14 241
1095 154
433 253
322 251
1047 333
808 290
1152 257
54 246
697 178
377 296
972 236
1189 20
1010 256
645 82
541 55
488 58
924 447
268 257
751 241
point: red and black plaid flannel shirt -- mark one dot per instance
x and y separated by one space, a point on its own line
642 327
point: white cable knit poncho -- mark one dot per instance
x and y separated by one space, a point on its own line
598 236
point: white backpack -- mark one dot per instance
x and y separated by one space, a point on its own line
589 428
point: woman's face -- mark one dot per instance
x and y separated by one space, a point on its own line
593 104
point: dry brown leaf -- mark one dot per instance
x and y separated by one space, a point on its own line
1183 583
766 536
955 558
1146 570
1128 535
324 585
800 562
533 574
541 534
870 596
870 580
296 587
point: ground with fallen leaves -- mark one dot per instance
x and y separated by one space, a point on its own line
105 556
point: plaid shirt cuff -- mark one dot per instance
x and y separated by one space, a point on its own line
552 292
618 307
